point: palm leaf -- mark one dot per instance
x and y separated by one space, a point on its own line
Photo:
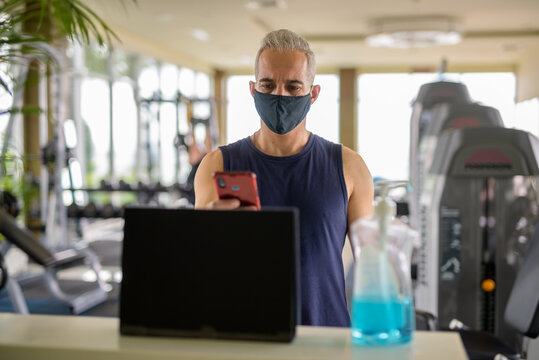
5 87
75 19
90 15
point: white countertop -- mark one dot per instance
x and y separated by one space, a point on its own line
79 337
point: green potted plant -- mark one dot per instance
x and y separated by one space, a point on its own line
32 35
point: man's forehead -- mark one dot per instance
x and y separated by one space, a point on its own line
290 65
293 57
270 79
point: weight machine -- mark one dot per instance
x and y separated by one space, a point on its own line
52 252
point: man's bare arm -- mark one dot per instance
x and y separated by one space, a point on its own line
205 193
359 185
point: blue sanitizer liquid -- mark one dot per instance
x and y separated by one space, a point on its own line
382 321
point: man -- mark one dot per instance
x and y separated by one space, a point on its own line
329 183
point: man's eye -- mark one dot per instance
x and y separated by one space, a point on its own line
294 89
266 86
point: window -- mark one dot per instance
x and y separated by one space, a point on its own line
143 146
493 89
169 81
95 112
167 150
187 82
124 115
527 116
202 109
241 115
148 80
323 118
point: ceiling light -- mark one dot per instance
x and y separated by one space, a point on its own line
199 34
413 32
265 4
165 17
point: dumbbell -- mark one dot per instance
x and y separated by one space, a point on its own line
73 211
122 185
105 185
108 211
90 210
141 186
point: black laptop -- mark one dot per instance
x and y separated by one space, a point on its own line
210 274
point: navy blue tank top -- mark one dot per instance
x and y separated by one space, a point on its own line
312 181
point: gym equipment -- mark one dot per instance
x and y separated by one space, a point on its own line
480 206
9 202
456 116
108 211
105 185
180 141
150 126
90 210
444 117
122 185
429 95
73 211
146 194
52 263
521 313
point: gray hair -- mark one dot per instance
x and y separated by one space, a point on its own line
286 40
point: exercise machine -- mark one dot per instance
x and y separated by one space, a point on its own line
480 205
444 117
430 96
52 263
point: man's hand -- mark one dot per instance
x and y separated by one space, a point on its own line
228 204
224 204
205 193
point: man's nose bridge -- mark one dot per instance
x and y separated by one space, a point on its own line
280 89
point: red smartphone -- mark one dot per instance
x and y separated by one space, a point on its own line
238 185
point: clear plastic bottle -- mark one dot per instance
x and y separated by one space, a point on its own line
382 303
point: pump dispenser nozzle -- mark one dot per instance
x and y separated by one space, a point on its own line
384 208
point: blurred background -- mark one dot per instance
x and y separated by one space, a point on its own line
105 103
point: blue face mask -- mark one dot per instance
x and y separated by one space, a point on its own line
282 114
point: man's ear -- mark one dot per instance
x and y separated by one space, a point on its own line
252 88
315 91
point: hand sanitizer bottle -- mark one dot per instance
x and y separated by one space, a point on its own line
382 304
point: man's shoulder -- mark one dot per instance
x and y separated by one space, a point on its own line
324 144
349 154
322 140
236 145
213 159
353 162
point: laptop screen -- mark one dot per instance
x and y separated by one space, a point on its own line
211 274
